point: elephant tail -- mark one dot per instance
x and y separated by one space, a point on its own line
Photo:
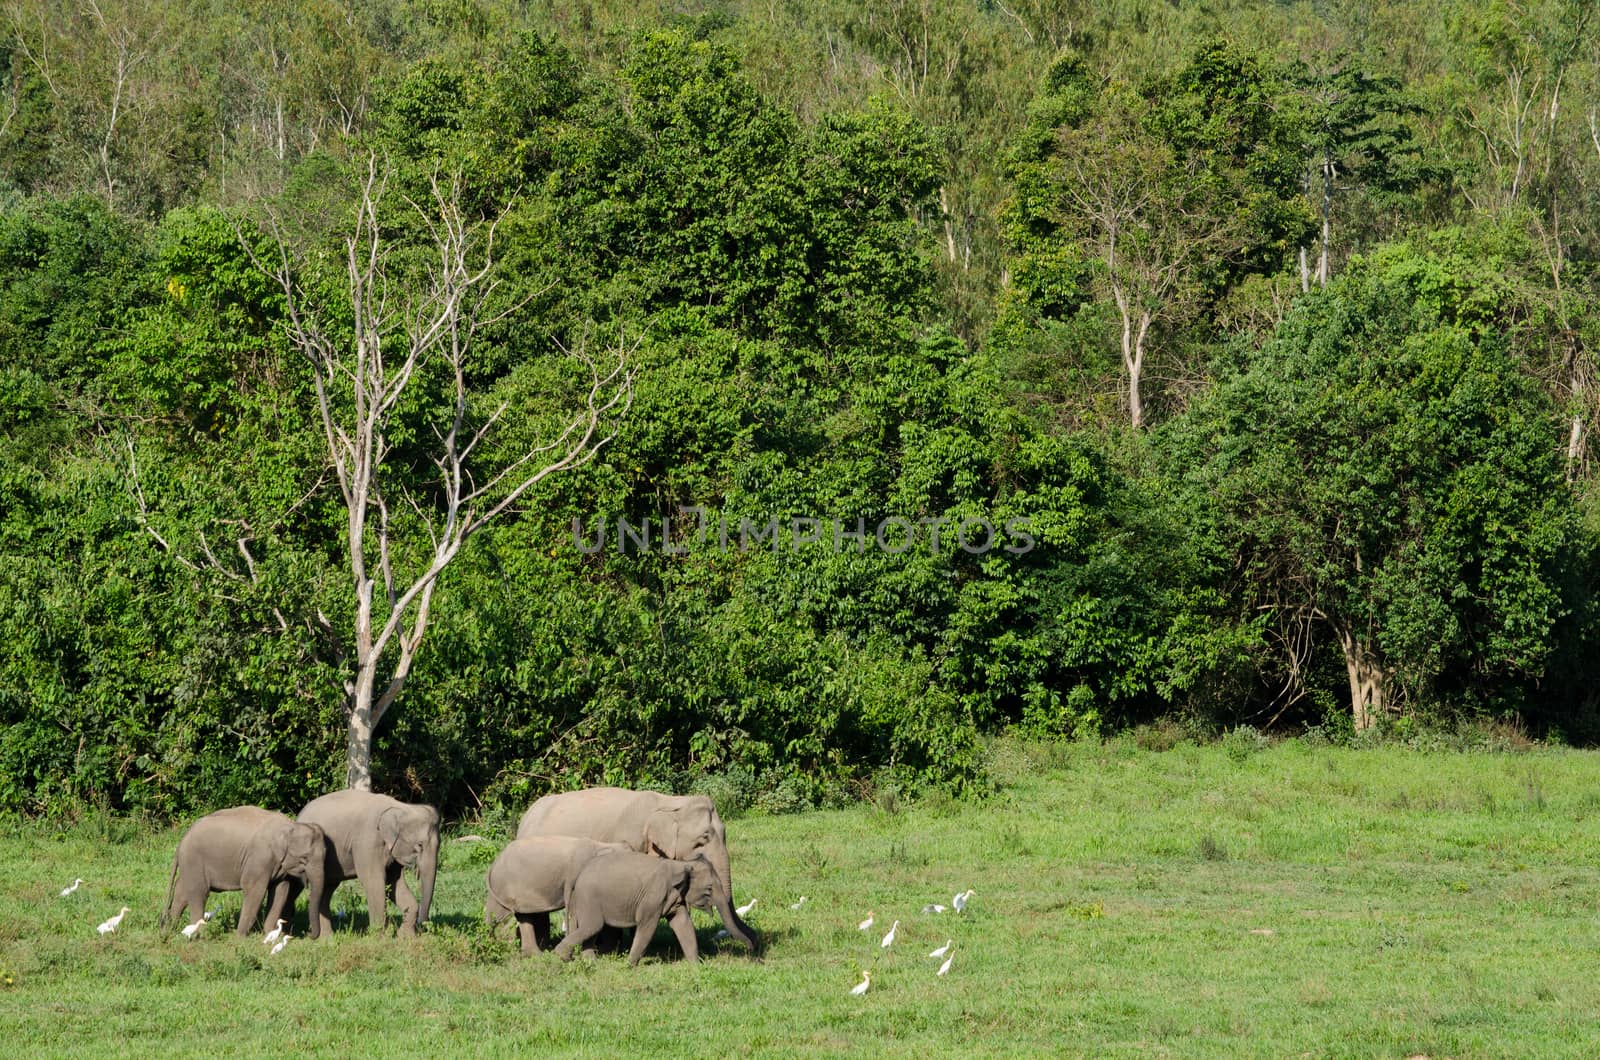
172 885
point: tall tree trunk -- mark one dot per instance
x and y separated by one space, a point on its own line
1327 223
358 744
1575 447
1576 437
1305 270
1136 373
1132 353
1368 682
949 223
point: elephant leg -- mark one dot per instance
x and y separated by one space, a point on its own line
541 930
682 925
580 929
572 941
250 906
323 914
406 901
373 884
529 937
284 894
641 940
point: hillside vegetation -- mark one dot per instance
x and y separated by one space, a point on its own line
935 370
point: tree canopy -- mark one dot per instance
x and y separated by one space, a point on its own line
1039 365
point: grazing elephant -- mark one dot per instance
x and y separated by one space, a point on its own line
245 849
532 878
373 838
629 889
670 826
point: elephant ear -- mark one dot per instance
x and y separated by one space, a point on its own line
390 824
312 838
663 831
679 877
279 847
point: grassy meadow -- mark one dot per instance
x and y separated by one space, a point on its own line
1221 900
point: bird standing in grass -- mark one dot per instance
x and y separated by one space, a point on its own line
272 936
110 926
193 929
888 940
945 967
960 900
934 907
68 890
796 906
865 924
285 941
861 987
942 950
744 910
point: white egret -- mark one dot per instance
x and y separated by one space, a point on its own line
960 900
272 936
888 940
945 967
111 925
934 908
942 950
68 890
284 942
744 910
861 987
865 924
797 905
193 929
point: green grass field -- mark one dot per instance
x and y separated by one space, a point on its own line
1292 901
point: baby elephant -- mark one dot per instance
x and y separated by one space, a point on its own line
533 877
244 849
629 889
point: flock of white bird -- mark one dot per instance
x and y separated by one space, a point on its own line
280 935
958 903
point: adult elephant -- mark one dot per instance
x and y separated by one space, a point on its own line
374 838
247 849
679 827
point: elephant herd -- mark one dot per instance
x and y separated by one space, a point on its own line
609 857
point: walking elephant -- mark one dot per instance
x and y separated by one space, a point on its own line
246 849
629 889
374 838
679 827
532 878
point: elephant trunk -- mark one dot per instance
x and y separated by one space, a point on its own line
718 855
730 920
427 867
316 880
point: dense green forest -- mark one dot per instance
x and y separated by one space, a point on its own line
1262 333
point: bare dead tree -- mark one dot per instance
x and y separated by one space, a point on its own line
125 56
399 328
1135 208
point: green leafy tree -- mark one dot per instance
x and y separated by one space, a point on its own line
1358 141
1171 191
1383 470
